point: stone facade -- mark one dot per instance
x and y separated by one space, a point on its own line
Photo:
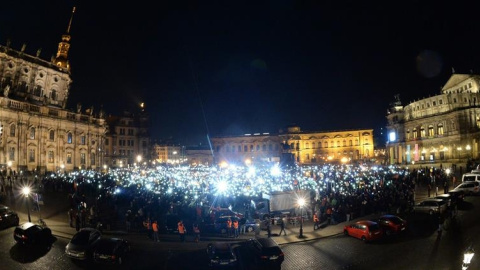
294 145
442 129
38 133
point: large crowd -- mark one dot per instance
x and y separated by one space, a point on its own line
130 195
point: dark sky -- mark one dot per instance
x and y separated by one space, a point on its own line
238 67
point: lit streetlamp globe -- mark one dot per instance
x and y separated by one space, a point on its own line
26 191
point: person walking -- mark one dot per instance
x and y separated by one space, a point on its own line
196 231
155 231
282 226
71 216
229 227
181 230
235 228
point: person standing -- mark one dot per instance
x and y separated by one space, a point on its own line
316 221
282 227
71 217
148 226
229 227
181 230
196 231
77 222
155 231
235 227
269 228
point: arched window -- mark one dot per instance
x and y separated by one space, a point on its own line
344 143
70 140
53 95
350 143
258 147
440 129
430 130
319 144
32 133
326 144
52 135
313 145
12 130
307 145
37 91
264 147
422 132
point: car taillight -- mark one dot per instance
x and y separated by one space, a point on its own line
113 257
281 254
263 257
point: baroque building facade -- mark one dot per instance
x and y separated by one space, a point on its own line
38 133
296 146
440 130
128 141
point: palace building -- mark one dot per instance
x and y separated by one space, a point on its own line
440 130
38 133
296 146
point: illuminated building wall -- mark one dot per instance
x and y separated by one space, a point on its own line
127 141
306 147
168 154
442 129
38 133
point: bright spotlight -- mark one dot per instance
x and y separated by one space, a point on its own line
222 186
275 171
301 202
26 191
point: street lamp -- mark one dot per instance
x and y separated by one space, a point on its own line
301 203
26 192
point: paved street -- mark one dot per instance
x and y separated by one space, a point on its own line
326 248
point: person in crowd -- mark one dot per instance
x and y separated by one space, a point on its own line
155 231
235 228
181 230
282 226
196 231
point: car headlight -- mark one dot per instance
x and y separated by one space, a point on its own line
214 261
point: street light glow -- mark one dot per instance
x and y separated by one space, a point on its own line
301 202
26 191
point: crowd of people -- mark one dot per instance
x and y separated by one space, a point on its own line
127 197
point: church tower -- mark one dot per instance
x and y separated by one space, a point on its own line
61 60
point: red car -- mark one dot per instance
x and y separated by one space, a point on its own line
366 230
392 224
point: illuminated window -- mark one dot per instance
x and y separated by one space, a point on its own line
69 137
69 158
408 134
415 133
313 145
82 158
92 158
307 145
350 143
430 131
440 129
422 132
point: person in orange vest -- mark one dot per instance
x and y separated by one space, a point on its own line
235 227
181 230
155 231
229 227
316 221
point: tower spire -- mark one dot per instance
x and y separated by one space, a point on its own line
61 60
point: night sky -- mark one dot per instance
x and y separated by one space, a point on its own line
235 67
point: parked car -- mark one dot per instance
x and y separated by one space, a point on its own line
457 195
470 177
266 252
392 224
430 206
220 225
8 217
32 234
220 212
111 250
366 230
221 255
470 188
82 244
445 197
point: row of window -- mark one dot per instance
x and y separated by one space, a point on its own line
51 135
249 148
325 144
440 102
122 131
51 156
430 130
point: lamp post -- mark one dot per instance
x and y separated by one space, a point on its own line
26 192
301 203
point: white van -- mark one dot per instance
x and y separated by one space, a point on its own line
470 177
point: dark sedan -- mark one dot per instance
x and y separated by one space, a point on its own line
392 224
8 217
32 234
111 251
266 252
82 244
221 255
